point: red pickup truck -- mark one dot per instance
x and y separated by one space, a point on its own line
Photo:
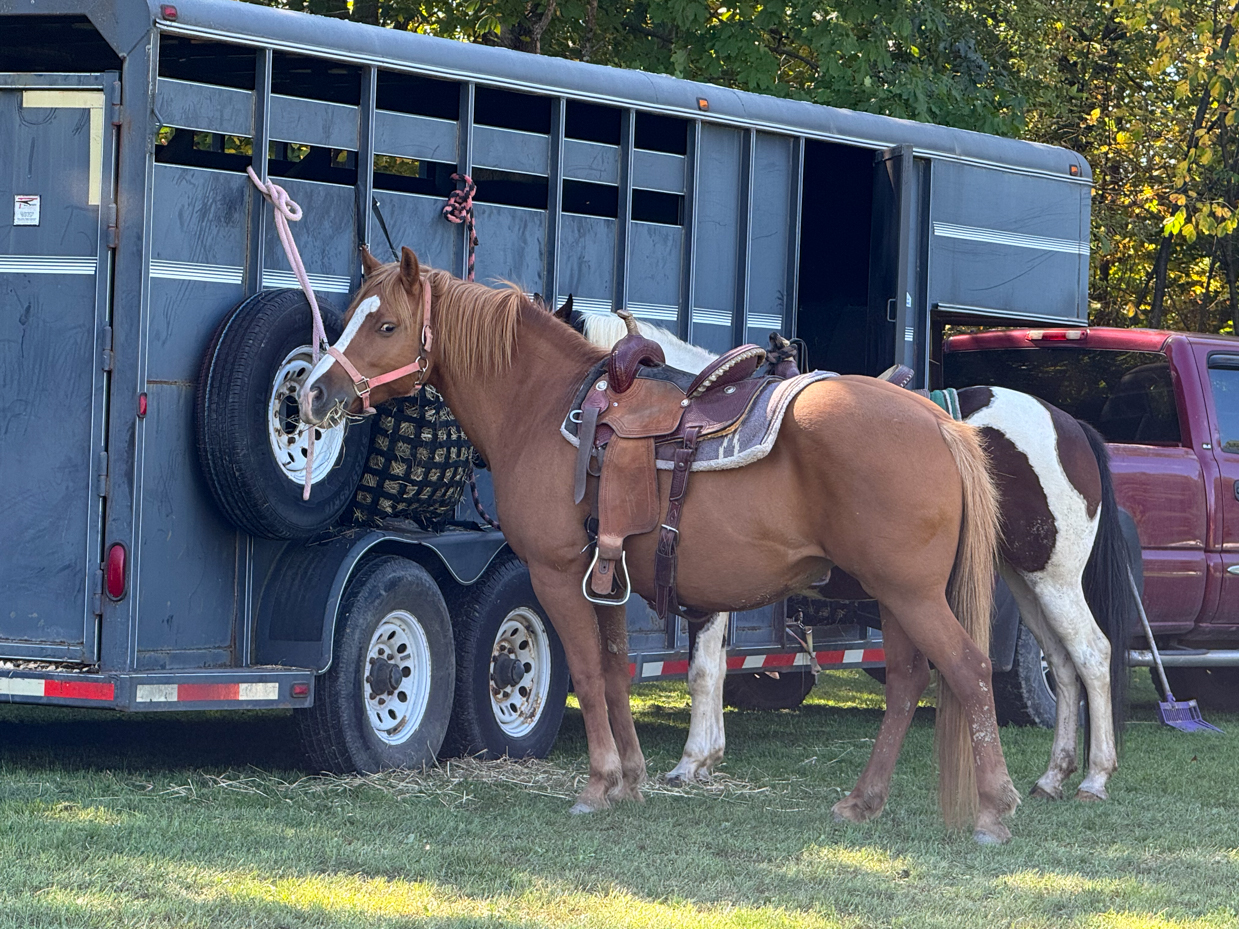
1168 405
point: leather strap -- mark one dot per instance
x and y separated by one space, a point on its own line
665 600
585 434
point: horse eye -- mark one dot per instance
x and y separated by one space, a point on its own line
387 328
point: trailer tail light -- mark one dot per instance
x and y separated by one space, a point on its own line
114 571
300 690
168 11
142 406
1057 335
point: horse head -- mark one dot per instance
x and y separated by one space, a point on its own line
387 323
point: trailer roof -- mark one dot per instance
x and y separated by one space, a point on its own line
249 24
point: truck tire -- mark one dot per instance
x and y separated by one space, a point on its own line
251 444
1024 696
386 699
1215 689
764 692
511 673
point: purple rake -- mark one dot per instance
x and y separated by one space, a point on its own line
1183 715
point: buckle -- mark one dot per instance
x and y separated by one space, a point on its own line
626 587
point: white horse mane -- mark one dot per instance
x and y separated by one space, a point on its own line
605 329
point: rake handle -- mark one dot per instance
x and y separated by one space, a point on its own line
1148 631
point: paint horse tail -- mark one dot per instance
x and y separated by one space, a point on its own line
1107 588
970 593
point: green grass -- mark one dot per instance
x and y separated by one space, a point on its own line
205 820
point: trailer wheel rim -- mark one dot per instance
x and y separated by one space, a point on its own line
397 677
288 436
519 675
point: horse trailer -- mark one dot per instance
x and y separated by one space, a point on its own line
157 554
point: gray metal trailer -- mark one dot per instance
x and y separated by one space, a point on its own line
125 130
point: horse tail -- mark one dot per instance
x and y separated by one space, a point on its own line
1107 585
970 593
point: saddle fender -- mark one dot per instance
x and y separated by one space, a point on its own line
300 598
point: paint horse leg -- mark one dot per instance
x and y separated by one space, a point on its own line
907 676
707 667
613 629
559 592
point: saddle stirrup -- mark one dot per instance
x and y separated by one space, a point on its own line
625 585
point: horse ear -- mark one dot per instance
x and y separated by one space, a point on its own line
565 311
369 264
410 270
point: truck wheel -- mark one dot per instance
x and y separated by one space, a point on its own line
386 699
1215 689
511 673
1024 696
251 442
765 692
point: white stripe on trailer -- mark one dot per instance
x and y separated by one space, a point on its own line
652 669
854 656
156 693
21 687
269 690
754 662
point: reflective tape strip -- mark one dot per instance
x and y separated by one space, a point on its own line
189 271
67 690
47 264
701 315
327 282
1016 239
198 693
652 669
764 321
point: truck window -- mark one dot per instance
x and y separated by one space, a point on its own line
1224 379
1126 396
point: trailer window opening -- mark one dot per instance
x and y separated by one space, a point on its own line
508 110
508 188
655 206
216 63
47 44
197 149
656 133
312 163
1126 396
315 79
590 122
591 199
833 315
413 175
417 95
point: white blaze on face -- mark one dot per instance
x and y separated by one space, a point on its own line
364 309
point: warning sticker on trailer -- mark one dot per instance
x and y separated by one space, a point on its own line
25 210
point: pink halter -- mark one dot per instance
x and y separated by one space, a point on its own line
363 385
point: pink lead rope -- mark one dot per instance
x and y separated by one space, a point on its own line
286 210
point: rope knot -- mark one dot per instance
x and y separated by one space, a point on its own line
459 209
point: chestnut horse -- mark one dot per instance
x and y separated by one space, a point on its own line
1062 555
864 475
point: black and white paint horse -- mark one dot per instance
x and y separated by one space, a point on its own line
1063 556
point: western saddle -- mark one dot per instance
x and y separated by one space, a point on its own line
631 408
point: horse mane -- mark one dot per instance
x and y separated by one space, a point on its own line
605 329
475 326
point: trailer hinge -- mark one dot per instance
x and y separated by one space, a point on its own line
111 218
117 114
106 360
96 594
103 474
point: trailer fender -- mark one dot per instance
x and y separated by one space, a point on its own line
298 604
1004 628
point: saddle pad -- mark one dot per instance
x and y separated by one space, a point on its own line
750 440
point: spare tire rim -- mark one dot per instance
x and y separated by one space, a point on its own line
519 676
396 684
288 435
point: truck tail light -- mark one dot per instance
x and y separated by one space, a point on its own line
114 571
1057 335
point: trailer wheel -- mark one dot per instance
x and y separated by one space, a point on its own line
385 700
511 673
251 441
764 692
1024 696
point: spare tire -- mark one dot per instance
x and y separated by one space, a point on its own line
251 442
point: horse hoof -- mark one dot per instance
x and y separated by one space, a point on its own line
1041 793
1089 796
850 811
995 836
580 809
681 777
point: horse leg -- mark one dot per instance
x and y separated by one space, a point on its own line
1063 752
966 671
907 676
613 627
707 667
575 621
1079 648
